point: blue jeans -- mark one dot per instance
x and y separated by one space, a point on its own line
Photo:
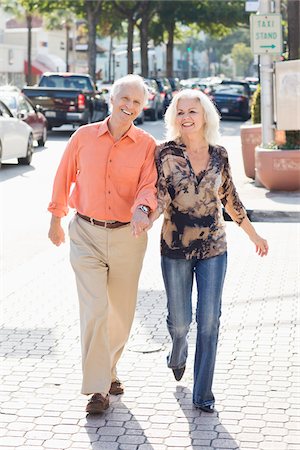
178 277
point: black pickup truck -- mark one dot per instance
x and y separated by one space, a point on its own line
68 98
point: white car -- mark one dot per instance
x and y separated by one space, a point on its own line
16 139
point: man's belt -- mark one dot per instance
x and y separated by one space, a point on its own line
105 224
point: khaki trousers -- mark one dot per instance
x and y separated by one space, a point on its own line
107 265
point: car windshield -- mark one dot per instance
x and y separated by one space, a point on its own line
230 89
72 82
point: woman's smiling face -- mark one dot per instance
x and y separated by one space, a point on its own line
190 116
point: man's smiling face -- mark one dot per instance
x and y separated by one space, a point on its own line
127 103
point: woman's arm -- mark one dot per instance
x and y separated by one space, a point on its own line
261 244
236 210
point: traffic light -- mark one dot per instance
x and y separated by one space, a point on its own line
189 49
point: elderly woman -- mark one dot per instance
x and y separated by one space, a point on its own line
194 181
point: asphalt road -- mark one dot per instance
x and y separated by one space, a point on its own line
26 190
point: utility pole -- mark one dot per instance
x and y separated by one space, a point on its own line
266 81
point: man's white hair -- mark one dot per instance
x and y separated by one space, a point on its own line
129 79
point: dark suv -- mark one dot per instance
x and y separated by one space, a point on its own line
165 90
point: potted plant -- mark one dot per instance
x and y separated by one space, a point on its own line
278 166
251 135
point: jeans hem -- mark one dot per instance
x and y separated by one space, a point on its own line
199 405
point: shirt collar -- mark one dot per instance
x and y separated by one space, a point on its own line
132 133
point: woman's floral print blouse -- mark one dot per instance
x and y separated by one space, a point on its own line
193 224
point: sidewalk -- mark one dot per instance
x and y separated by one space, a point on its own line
257 373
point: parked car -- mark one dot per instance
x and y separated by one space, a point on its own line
16 137
165 90
253 83
68 98
22 108
175 85
232 98
154 107
104 89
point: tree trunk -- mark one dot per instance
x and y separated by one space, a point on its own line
92 12
170 46
293 9
29 46
144 38
110 60
130 45
67 26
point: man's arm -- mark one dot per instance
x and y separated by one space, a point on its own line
146 200
58 207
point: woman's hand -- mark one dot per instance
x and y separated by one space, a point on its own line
261 245
152 217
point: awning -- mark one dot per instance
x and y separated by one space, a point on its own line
37 68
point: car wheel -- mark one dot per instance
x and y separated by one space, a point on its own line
42 140
27 160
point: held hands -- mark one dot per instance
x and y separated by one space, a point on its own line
56 233
140 222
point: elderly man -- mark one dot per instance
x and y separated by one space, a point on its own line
110 166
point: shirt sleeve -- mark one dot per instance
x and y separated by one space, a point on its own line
229 196
146 192
64 178
163 196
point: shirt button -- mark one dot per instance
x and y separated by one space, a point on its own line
110 160
109 192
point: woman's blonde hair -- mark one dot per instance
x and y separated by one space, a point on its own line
211 116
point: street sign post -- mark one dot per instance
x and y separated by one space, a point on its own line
266 33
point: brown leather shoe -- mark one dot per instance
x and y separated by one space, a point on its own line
116 388
97 403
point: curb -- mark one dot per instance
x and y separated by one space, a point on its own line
256 215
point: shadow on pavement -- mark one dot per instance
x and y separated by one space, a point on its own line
204 429
114 428
12 170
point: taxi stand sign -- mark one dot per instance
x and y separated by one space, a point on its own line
266 33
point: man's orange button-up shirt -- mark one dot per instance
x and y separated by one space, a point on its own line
109 179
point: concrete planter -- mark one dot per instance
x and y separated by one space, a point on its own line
251 136
278 170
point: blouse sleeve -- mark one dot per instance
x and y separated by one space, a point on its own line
163 197
229 196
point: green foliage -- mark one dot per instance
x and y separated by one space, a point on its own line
243 58
255 106
292 140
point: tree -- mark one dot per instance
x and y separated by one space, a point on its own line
28 9
58 20
146 10
130 11
293 16
216 18
243 57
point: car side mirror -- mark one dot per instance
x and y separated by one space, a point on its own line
21 115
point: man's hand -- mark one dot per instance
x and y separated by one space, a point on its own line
56 233
139 222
